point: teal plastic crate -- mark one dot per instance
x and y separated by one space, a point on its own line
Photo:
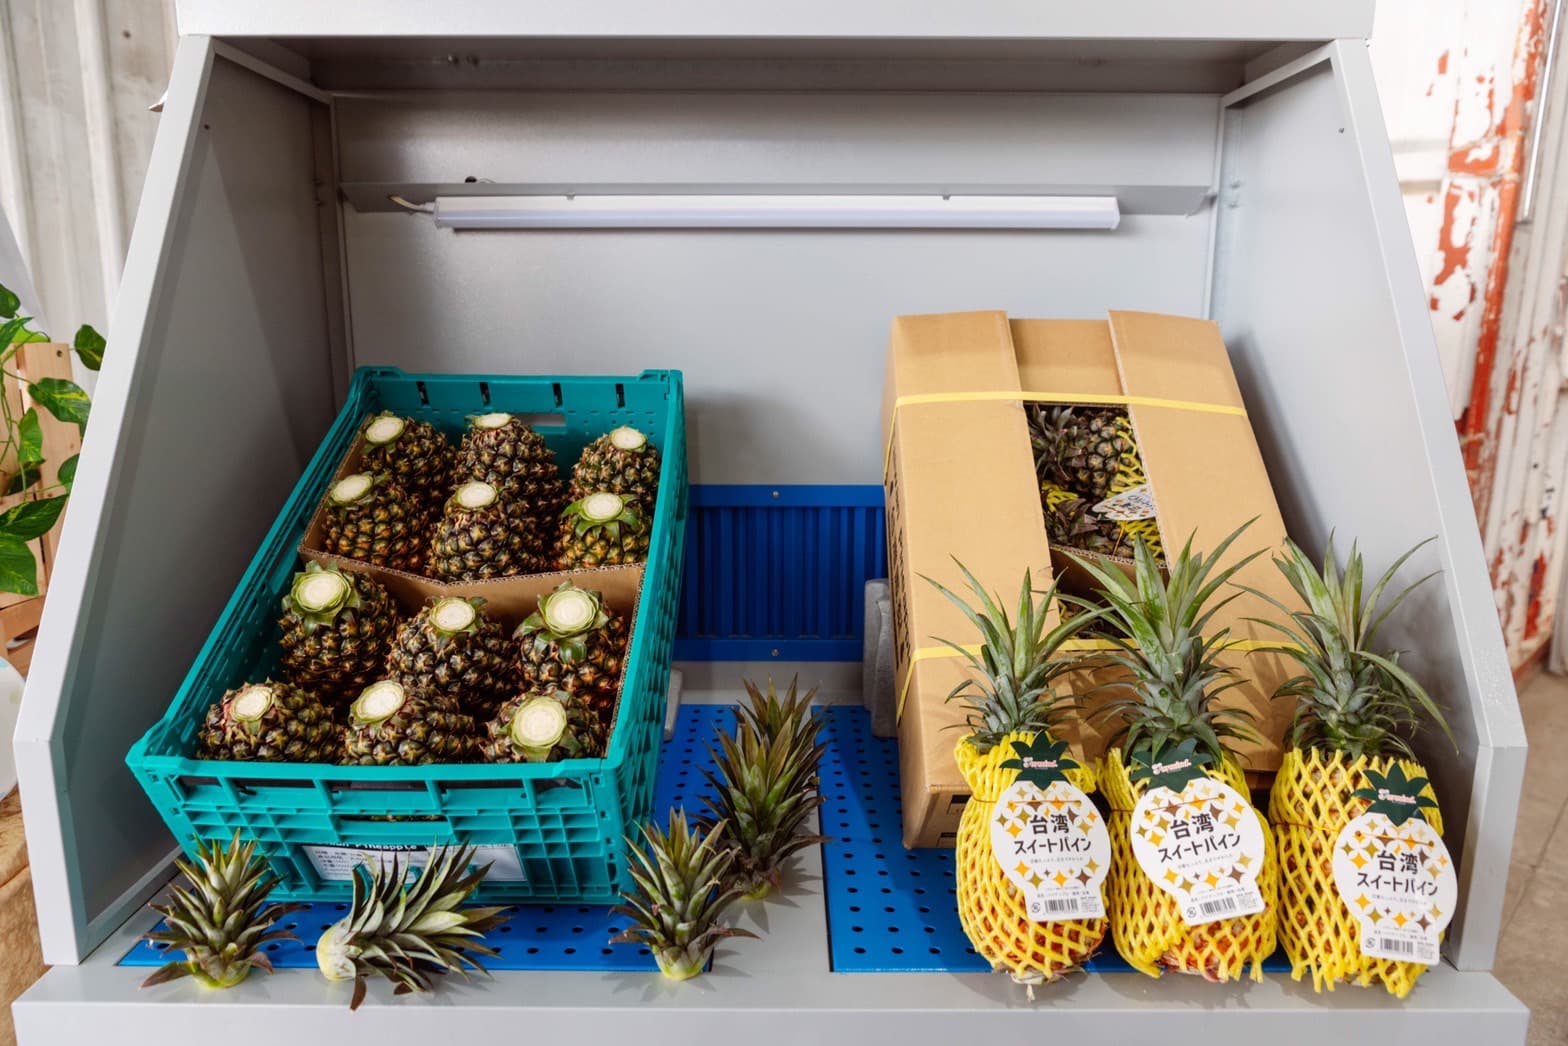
564 822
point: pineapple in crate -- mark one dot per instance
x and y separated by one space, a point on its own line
1028 795
1194 878
621 461
502 450
414 453
603 530
372 519
1347 755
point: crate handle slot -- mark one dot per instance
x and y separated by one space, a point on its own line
484 392
545 422
424 393
620 395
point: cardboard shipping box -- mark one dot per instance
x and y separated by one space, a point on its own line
961 483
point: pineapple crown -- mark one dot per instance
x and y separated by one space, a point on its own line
385 429
1012 685
603 510
409 934
1159 628
452 616
1349 698
219 918
319 594
565 619
682 888
764 791
771 714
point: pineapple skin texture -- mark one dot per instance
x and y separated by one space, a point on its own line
990 908
1146 921
1310 804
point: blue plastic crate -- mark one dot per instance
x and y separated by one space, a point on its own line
565 821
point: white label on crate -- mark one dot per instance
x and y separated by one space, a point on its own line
1133 504
339 862
1053 845
1202 845
1398 881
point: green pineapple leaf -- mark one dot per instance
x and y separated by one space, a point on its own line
1170 766
1042 761
1395 796
64 399
89 346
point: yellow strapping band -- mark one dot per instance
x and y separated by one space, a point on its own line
1021 396
930 653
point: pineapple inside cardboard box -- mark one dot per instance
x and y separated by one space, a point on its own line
961 484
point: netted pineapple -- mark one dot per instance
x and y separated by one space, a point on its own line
764 792
410 934
575 644
544 726
602 530
372 519
481 536
504 452
1353 707
1011 697
270 722
335 630
415 454
682 889
452 650
388 725
219 918
1157 625
1069 523
621 461
1079 448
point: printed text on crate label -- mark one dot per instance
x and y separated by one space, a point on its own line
1054 846
339 862
1399 881
1203 846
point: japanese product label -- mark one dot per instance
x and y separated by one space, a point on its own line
1133 504
1202 845
339 862
1053 845
1399 881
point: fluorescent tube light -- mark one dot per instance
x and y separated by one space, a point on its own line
776 212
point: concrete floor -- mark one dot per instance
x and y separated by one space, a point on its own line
1535 921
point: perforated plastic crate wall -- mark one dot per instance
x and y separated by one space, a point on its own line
566 820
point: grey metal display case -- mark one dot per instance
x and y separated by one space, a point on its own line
1243 142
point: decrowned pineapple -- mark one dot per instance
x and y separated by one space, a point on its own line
1352 703
270 722
602 530
622 461
502 450
1079 448
544 726
452 650
335 630
575 644
372 519
390 726
1011 696
415 454
480 536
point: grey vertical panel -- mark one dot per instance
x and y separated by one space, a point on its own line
231 392
1313 295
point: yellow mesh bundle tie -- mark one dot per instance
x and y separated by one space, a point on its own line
1130 474
1146 922
990 908
1310 804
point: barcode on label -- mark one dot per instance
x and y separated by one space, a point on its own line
1056 906
1219 906
1396 945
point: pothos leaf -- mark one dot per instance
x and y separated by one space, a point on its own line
25 477
64 399
10 304
89 346
31 437
31 519
13 330
67 471
18 569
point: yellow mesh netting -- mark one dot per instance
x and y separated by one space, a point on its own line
990 907
1310 805
1146 921
1129 474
